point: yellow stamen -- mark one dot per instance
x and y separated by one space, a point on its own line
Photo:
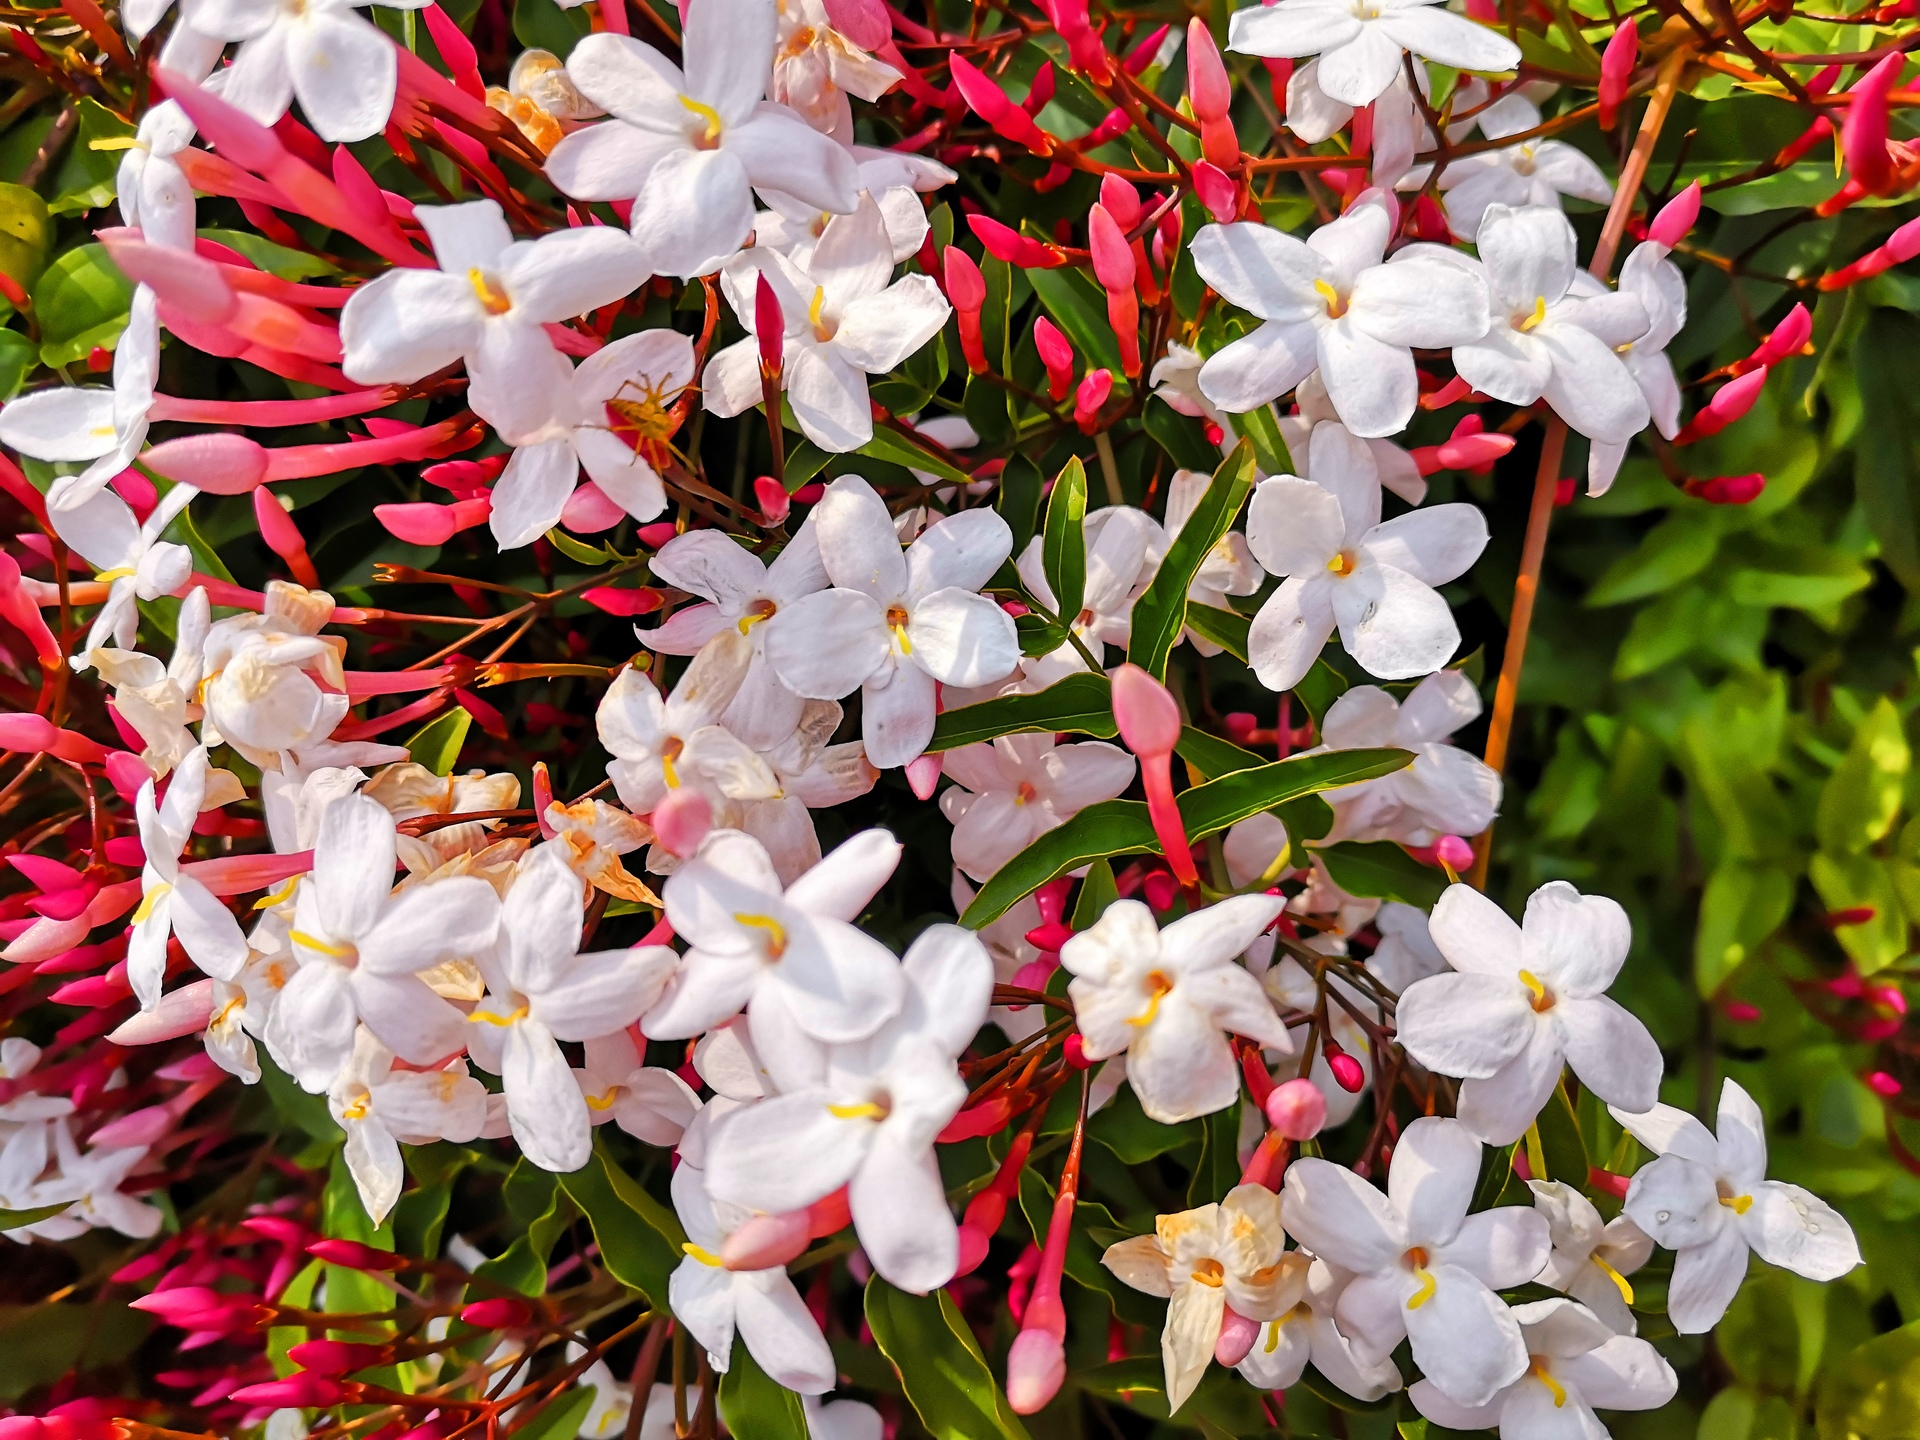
117 142
1539 314
149 900
499 1022
1739 1204
237 1003
1158 987
275 897
359 1109
756 612
1619 1280
1335 306
325 947
119 572
776 932
1542 997
705 1257
667 772
491 300
1273 1337
1343 563
866 1110
708 114
1554 1388
822 331
1025 793
604 1102
1425 1293
1210 1273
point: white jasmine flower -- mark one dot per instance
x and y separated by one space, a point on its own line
1307 1332
380 1109
869 1120
153 698
1534 172
1656 282
1361 47
1011 791
1166 997
1345 568
1591 1259
130 556
1393 465
153 194
1123 545
1203 1261
273 682
646 1101
1406 951
173 902
688 146
1708 1200
1424 1269
895 623
661 744
1329 303
1445 791
1575 1365
1524 999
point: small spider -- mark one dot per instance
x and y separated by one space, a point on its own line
648 423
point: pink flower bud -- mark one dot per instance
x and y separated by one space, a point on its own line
1883 1084
1056 354
422 522
1741 1012
1215 190
1454 852
1730 490
1237 1334
219 463
987 100
27 734
336 1357
1729 403
1863 134
352 1255
1616 70
1036 1366
1347 1071
1160 890
1297 1109
967 289
1143 53
625 603
772 498
769 326
505 1312
1112 257
1676 217
1121 201
1049 935
303 1390
1116 124
923 774
1094 389
765 1241
1900 247
1790 336
1003 242
682 820
1146 712
1208 85
1075 1050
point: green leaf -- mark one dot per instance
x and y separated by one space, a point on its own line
1742 905
639 1238
1262 430
1564 1147
18 356
1124 1128
804 461
946 1377
1063 547
1120 827
81 301
1218 1169
1380 868
1160 614
1863 883
559 1418
1180 436
14 1219
1225 628
1322 686
579 551
754 1405
533 1200
1208 756
1019 499
1079 703
287 263
543 25
1097 892
437 743
1678 548
1861 799
1875 1390
1887 470
891 445
24 237
344 1217
86 178
1079 308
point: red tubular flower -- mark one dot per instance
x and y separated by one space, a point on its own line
1727 489
1210 91
283 536
1215 190
1900 247
1789 338
1056 353
1003 242
1149 721
1616 71
1145 51
421 522
967 289
1088 54
1089 397
1729 403
772 498
1468 448
1122 201
503 1313
988 1208
1041 91
1676 217
1863 134
352 1255
769 329
990 103
1113 266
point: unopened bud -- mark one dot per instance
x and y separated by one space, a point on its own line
1297 1109
218 462
1146 712
1215 190
1036 1366
990 103
1003 242
1676 217
681 821
352 1255
772 498
303 1390
1121 201
1883 1084
1454 852
1056 353
923 775
1347 1071
503 1313
1789 337
1075 1050
337 1357
1728 489
967 289
769 326
1093 391
1863 134
1237 1334
1731 401
1616 70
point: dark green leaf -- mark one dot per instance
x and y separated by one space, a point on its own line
81 301
1180 436
754 1405
889 444
87 175
1381 869
1097 892
24 237
639 1238
1063 553
579 551
1322 686
804 461
1218 1170
945 1375
543 25
1208 756
14 1219
437 743
1564 1148
1019 499
18 356
1225 628
1081 703
559 1418
279 260
1161 613
1262 429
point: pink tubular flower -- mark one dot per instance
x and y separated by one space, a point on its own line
1211 91
1729 490
1898 248
1114 268
1089 397
987 100
1149 721
1676 217
1005 243
1056 353
1470 447
1863 134
1216 191
769 328
1616 70
967 291
1297 1109
1731 401
422 522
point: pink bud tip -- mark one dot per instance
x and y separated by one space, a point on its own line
301 1391
1741 1012
1036 1366
1121 201
503 1313
1160 890
1728 489
1237 1334
923 775
765 1241
1049 935
1453 852
1075 1050
682 820
1092 394
1347 1072
28 734
973 1250
352 1255
657 534
627 603
1883 1084
335 1357
1790 336
1147 714
966 286
1240 725
1676 217
1297 1109
772 498
1214 187
1904 243
218 462
418 523
1207 83
1112 257
1035 974
769 325
1606 1182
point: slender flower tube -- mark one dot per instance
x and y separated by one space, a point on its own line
1150 725
988 1208
1036 1364
1003 242
1900 247
987 100
1113 267
1091 395
1211 92
1056 353
1676 217
1729 403
1789 338
283 537
1616 71
967 291
1863 134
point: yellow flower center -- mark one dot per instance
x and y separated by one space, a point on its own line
756 612
710 139
1543 998
1158 987
492 300
1619 1280
897 622
823 328
669 753
1336 307
1537 1367
865 1110
776 933
1416 1259
498 1021
149 900
1343 564
1210 1273
1539 314
359 1107
325 947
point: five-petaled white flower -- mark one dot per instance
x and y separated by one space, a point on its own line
1309 1332
895 623
1524 999
1012 790
1424 1269
1360 45
173 902
1591 1259
689 146
1445 791
129 555
1657 283
1708 1200
1165 997
381 1108
1330 303
1533 172
1346 568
